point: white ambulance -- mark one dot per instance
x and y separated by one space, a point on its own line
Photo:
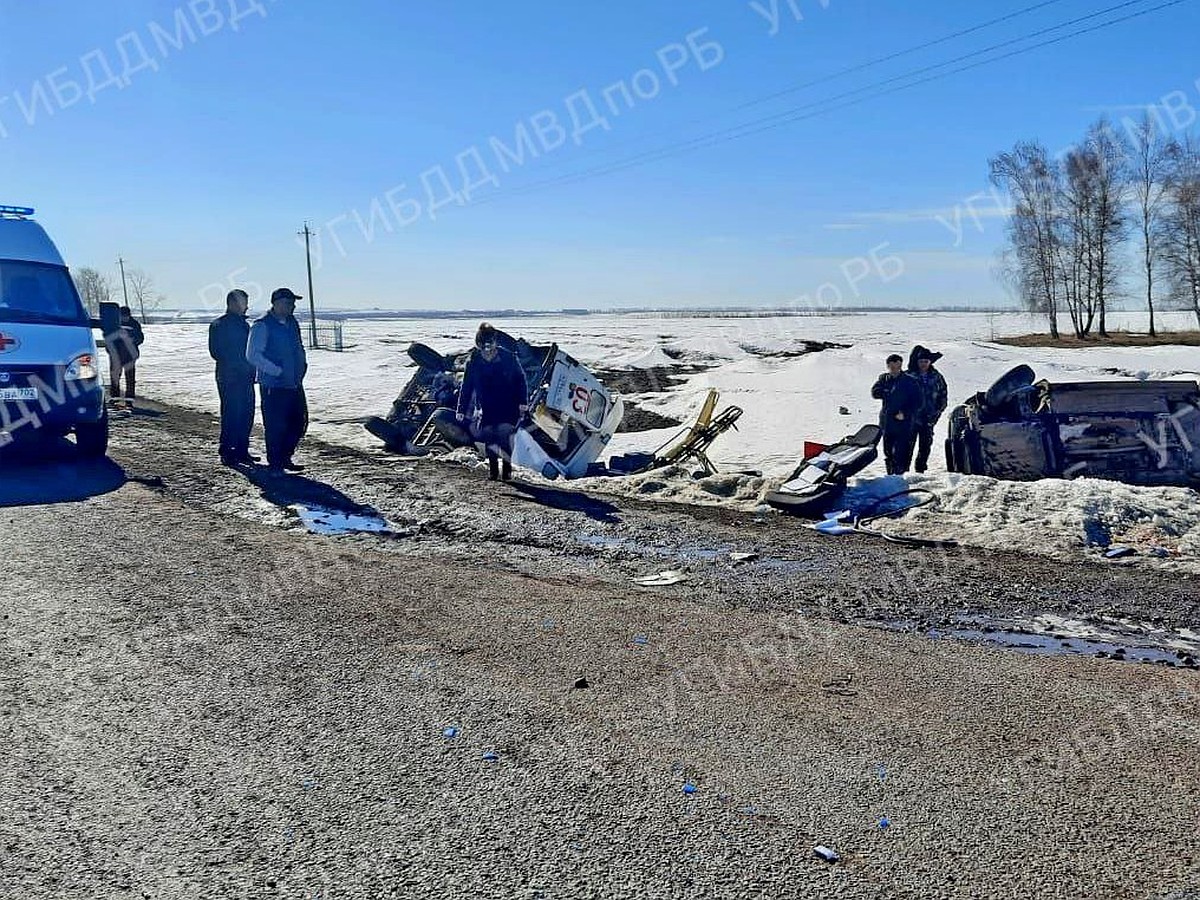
50 383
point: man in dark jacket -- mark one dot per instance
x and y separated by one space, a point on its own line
227 339
901 396
934 397
123 352
494 384
276 351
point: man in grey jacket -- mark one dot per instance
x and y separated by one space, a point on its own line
276 351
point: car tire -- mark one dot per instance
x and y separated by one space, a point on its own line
1009 384
92 438
425 356
972 450
953 455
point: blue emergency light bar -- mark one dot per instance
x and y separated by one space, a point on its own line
21 211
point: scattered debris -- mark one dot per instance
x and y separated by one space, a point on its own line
641 640
833 524
738 558
840 686
662 579
490 756
580 684
826 853
450 732
689 788
843 411
1119 552
564 397
884 824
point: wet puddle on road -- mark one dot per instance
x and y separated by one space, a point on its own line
681 554
744 562
1051 635
322 520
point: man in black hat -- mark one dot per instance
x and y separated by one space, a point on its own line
901 396
494 384
227 339
276 351
934 397
123 353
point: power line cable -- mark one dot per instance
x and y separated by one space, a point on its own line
824 79
834 103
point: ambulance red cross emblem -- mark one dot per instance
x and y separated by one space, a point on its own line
8 342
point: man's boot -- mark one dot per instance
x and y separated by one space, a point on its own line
506 470
493 467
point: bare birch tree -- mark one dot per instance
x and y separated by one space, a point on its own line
1150 171
1180 230
94 288
1028 176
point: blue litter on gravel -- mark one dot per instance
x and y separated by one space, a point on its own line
689 788
884 824
450 732
490 756
641 640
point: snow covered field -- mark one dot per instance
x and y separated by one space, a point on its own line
787 399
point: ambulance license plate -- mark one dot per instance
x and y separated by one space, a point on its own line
18 393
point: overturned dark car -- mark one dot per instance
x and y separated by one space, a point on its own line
1137 432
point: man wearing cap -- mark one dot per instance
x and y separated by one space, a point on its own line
276 351
494 384
227 339
901 397
934 397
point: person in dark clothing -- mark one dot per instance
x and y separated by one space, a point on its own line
934 398
493 384
227 340
901 396
276 351
123 352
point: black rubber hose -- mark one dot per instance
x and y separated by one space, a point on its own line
929 498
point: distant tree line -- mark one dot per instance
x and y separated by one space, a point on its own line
1082 223
95 288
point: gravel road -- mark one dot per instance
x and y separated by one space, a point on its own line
200 698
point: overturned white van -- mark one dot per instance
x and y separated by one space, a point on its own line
50 382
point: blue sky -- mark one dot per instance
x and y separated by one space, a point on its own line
204 169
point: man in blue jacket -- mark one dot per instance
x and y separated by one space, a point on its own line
494 384
901 396
276 351
227 339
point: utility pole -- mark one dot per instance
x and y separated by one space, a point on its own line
125 287
312 303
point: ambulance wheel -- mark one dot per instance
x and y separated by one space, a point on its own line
92 438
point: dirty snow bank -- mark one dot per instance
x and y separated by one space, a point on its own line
1060 519
786 398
